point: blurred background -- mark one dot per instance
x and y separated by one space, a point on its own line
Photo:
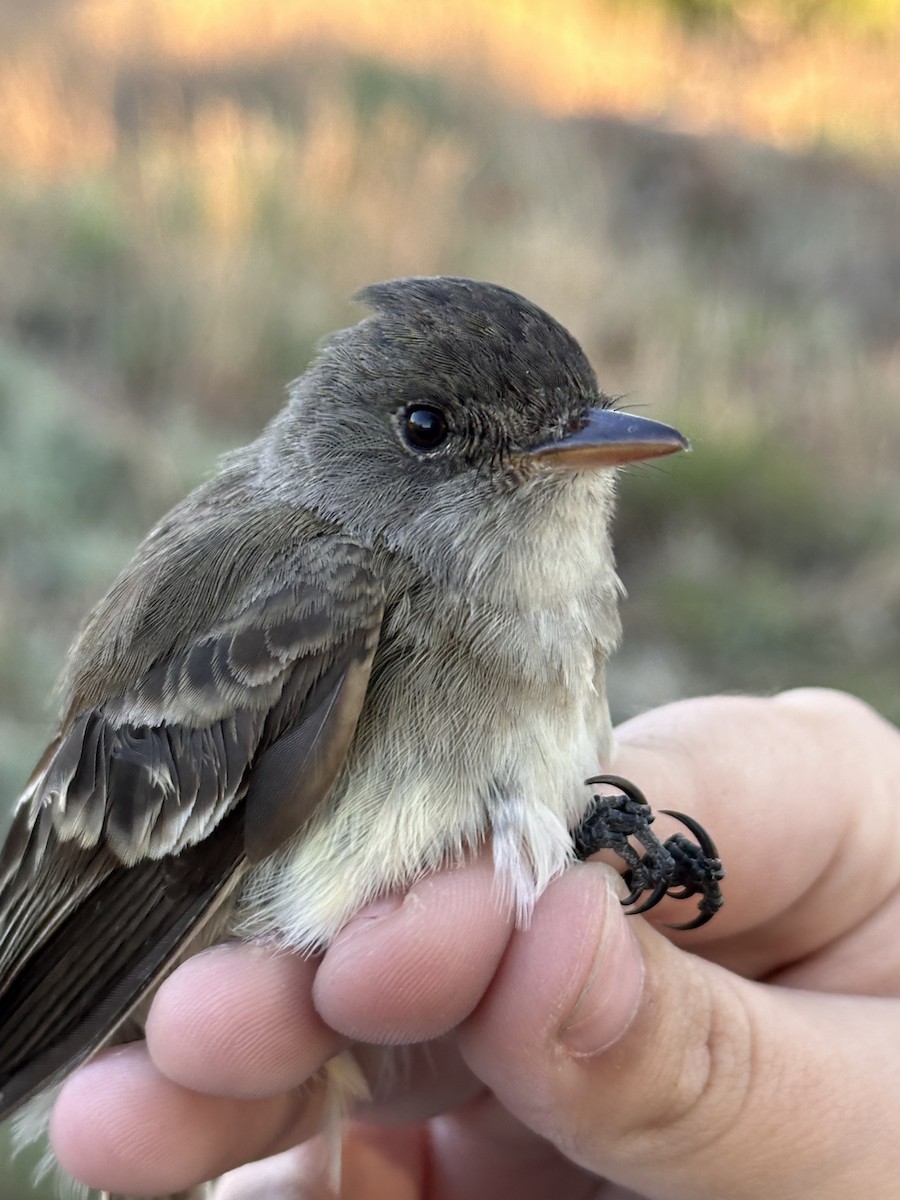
707 192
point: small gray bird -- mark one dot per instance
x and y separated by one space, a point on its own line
375 639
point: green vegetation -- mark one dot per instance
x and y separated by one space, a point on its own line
747 572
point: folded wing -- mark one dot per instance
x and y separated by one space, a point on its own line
146 808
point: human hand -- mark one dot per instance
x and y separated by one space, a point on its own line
590 1054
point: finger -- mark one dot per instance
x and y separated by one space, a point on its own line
717 1087
121 1126
799 792
238 1020
413 967
482 1152
376 1165
283 1177
411 1084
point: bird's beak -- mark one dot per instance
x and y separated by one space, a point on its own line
609 438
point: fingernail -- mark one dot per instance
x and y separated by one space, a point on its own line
611 995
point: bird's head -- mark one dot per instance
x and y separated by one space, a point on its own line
459 407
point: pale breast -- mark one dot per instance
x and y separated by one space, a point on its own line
448 750
481 718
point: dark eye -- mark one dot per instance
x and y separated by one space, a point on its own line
424 428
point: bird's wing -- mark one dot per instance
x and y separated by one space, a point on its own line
146 807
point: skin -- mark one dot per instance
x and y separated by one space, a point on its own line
592 1056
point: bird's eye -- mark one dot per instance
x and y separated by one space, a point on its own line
424 428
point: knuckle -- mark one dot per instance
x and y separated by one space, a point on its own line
828 704
703 1076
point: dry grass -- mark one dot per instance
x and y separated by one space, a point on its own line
767 73
764 69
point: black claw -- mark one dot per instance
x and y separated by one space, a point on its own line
652 900
705 842
683 894
632 898
700 919
631 790
678 868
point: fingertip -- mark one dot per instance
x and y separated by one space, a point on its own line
412 972
102 1129
574 977
78 1108
120 1126
238 1020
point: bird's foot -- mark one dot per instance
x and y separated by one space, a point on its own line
678 867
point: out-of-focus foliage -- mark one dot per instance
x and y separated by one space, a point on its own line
789 72
869 16
185 211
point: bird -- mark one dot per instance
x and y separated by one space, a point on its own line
373 641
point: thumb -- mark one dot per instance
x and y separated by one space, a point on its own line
673 1077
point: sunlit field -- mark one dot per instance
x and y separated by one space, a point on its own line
790 72
707 193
